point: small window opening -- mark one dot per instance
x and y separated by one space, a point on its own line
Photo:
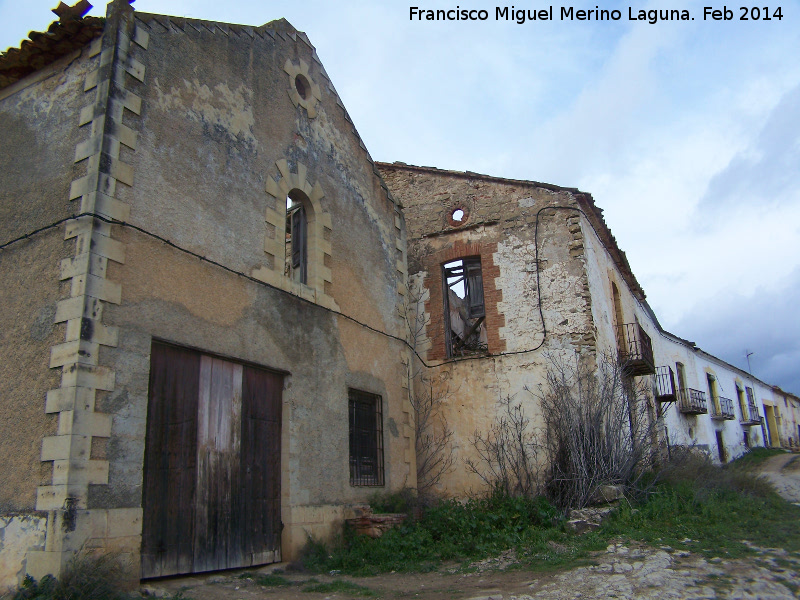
713 393
302 86
465 311
296 267
458 215
723 455
366 439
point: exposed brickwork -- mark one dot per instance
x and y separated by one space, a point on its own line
492 295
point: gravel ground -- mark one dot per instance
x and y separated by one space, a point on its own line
623 571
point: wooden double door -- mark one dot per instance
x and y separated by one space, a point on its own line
211 492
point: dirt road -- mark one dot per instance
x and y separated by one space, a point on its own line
783 472
631 571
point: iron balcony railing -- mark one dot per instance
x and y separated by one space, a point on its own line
665 385
635 350
692 402
722 409
750 415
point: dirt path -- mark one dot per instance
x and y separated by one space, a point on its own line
622 571
630 571
783 472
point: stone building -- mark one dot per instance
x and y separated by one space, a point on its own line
206 289
551 282
202 270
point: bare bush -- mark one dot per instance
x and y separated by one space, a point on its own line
598 429
694 465
432 434
508 454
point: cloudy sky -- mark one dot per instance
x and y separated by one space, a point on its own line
686 133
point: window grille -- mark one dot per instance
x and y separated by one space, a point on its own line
366 439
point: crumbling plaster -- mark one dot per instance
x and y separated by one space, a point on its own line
192 154
500 225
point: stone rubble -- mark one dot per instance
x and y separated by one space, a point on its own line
644 573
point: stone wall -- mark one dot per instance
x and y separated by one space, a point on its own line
528 314
39 117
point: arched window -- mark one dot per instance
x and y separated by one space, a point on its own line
296 267
297 240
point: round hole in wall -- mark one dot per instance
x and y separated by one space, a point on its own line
302 86
457 216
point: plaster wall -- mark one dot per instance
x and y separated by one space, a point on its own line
676 428
39 116
789 407
18 534
217 124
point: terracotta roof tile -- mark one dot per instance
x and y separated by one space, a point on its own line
43 48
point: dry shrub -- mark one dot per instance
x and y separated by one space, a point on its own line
508 455
599 430
692 465
433 442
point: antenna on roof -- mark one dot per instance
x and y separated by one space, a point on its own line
747 355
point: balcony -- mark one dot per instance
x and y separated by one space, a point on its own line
722 409
665 385
635 350
692 402
751 417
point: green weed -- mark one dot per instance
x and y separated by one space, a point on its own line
84 578
716 507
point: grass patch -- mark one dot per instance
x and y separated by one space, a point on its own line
450 531
267 580
717 508
755 457
793 587
345 587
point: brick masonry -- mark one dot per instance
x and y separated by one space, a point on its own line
435 303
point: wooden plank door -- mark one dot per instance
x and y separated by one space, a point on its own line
217 533
212 464
170 466
261 452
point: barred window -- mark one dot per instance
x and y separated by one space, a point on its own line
366 439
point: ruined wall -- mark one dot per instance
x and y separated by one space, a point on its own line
192 134
220 141
499 225
39 125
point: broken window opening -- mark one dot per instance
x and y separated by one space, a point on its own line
366 439
296 238
464 308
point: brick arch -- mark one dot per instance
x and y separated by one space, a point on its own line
434 306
